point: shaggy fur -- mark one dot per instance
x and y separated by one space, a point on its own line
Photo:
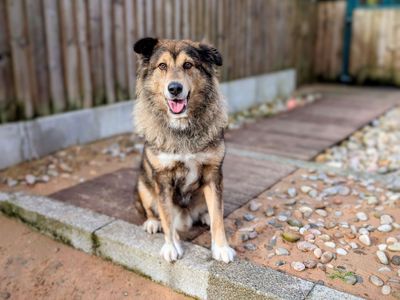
181 168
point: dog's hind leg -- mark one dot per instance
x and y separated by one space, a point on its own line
172 249
152 224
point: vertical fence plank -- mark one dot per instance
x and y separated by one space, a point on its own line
129 40
70 53
84 60
21 59
7 95
120 50
96 51
107 37
396 55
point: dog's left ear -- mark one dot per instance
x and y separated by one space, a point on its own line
210 54
145 46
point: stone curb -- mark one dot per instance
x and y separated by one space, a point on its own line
196 274
28 140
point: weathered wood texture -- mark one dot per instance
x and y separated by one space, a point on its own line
375 48
58 55
329 43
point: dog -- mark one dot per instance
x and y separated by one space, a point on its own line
182 116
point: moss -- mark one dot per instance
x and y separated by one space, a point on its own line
340 274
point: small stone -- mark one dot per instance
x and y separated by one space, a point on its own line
280 251
325 237
395 260
30 179
341 251
305 189
270 211
386 219
363 231
362 216
291 236
298 266
353 245
310 263
290 202
306 211
252 235
375 280
386 290
306 246
372 200
317 253
294 222
382 257
11 182
384 269
321 212
391 240
292 192
313 193
343 190
385 228
337 201
45 178
65 168
350 279
282 217
279 263
326 257
254 205
248 217
330 244
382 247
395 247
365 239
250 246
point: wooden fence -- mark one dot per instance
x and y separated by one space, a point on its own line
375 47
58 55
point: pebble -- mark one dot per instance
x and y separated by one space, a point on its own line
310 263
326 257
254 205
317 253
384 269
290 202
306 246
279 263
30 179
350 279
313 193
294 222
291 236
353 245
250 246
375 280
386 290
330 244
248 217
362 216
305 189
298 266
280 251
363 231
343 190
386 219
321 212
382 247
391 240
270 211
341 251
395 247
292 192
11 182
252 235
306 211
385 228
395 260
365 239
282 218
382 257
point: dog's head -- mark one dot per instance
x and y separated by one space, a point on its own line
177 77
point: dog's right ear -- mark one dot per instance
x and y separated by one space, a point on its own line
145 46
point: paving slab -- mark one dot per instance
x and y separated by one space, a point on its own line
305 132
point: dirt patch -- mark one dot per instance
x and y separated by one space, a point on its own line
325 217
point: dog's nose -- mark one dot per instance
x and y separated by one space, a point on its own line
175 88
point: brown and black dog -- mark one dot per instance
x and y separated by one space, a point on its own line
181 115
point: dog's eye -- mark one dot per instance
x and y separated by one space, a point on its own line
187 65
162 66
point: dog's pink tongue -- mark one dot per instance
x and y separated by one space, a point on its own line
177 105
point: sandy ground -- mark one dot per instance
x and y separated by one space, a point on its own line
33 266
361 262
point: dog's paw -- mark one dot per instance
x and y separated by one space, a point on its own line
224 253
205 219
171 252
152 226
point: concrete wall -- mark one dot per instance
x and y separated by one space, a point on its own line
33 139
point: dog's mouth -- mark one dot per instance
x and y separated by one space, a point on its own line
178 106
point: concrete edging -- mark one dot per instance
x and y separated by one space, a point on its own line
128 245
28 140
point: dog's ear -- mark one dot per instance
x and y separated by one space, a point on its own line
145 46
210 54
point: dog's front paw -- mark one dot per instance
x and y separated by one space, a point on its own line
223 253
152 226
171 252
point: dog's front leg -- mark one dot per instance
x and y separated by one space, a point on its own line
219 245
172 249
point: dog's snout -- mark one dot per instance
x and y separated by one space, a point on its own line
175 88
